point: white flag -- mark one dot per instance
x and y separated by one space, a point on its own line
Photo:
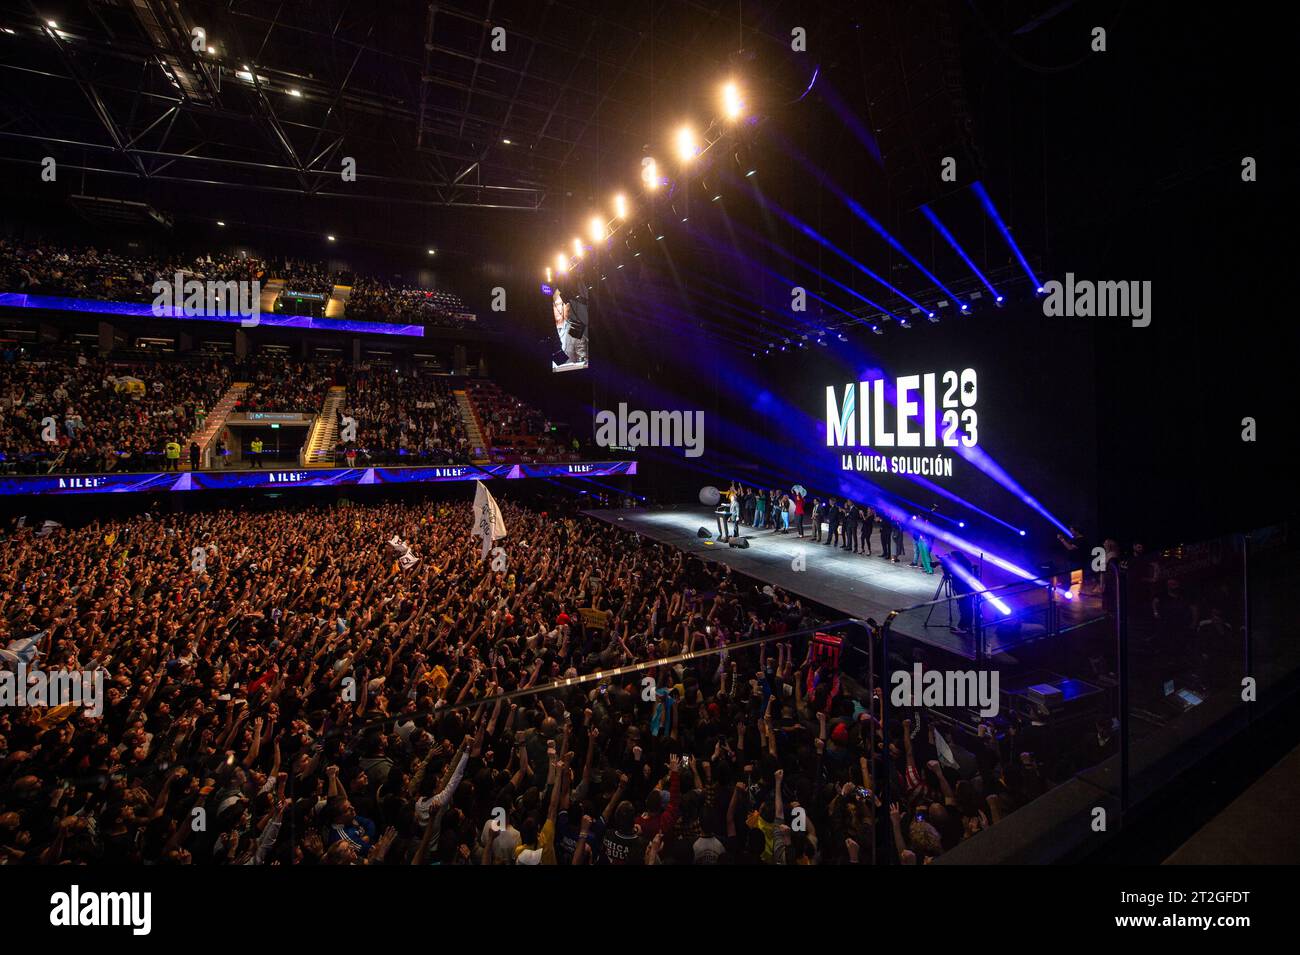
488 523
945 751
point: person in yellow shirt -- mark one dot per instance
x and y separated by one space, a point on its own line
537 846
172 454
256 449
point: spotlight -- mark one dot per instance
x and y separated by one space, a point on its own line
548 275
965 308
687 145
875 329
297 93
431 251
620 206
561 263
506 142
1022 533
843 337
577 248
961 523
329 238
1040 290
597 229
929 315
650 174
903 323
999 300
744 161
220 223
732 105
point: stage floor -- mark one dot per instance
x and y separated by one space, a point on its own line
851 584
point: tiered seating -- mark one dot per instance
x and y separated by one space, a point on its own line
41 268
403 418
514 431
279 384
108 415
376 300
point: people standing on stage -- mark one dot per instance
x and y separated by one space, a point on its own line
817 520
850 526
860 536
868 528
798 512
782 513
735 511
832 523
760 509
922 554
896 533
886 535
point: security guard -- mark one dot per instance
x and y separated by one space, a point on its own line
256 448
173 455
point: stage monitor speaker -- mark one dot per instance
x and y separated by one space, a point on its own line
741 542
703 532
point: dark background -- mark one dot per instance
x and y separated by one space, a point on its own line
1122 165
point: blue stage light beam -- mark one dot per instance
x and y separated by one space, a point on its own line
808 266
830 246
956 247
858 210
987 202
969 579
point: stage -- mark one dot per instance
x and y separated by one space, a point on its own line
853 585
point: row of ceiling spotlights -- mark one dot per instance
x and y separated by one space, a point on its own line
688 146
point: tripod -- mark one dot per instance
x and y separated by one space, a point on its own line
944 590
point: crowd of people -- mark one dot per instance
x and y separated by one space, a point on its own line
315 700
120 414
514 431
43 268
313 278
402 417
39 267
62 411
378 300
279 383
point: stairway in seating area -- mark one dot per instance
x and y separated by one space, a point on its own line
325 430
470 420
213 423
